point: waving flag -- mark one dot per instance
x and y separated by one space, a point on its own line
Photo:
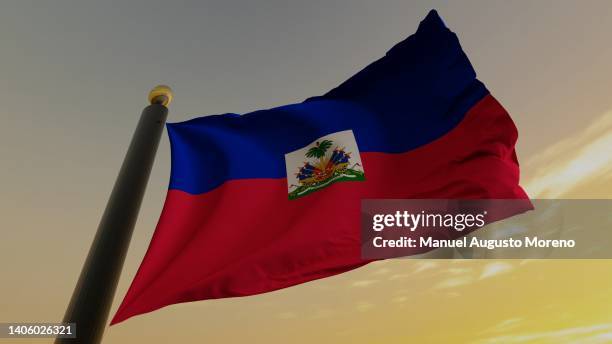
271 199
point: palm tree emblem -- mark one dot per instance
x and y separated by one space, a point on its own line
328 167
319 150
326 162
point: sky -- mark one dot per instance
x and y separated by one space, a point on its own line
74 78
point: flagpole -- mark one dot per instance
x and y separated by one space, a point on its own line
93 295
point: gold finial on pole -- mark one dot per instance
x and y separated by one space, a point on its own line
161 94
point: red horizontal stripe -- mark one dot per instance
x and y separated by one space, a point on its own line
246 237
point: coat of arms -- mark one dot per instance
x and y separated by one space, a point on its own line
332 158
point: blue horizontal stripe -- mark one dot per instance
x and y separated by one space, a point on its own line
420 90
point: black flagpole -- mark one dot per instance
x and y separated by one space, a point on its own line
93 295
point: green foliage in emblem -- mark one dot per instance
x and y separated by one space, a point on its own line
319 150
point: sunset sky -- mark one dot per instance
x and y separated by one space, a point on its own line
75 75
